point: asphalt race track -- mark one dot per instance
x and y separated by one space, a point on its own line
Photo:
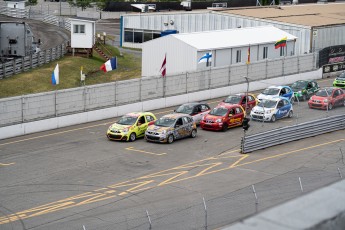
70 177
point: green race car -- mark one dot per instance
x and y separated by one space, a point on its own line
304 89
131 126
340 81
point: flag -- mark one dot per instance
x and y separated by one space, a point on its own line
280 43
163 69
109 65
207 57
248 58
55 75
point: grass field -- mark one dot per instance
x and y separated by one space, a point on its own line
39 79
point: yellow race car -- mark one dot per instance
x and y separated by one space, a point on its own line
131 126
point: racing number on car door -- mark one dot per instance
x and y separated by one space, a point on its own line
236 118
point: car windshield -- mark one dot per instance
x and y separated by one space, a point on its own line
219 111
233 99
341 77
267 104
165 122
127 120
187 109
299 85
324 93
271 91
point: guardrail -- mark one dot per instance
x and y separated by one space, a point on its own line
292 133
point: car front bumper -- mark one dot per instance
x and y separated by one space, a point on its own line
211 126
117 136
261 116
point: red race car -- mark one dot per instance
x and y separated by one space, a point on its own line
223 117
327 97
240 99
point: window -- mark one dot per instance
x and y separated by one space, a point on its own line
238 110
282 51
138 37
265 53
250 98
178 122
147 36
128 35
149 118
185 120
204 108
238 56
79 29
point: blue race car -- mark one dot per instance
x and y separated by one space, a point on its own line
277 91
272 109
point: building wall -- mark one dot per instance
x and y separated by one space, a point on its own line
15 40
328 36
86 40
17 5
180 56
205 21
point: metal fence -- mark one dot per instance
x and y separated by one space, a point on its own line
52 104
214 212
26 63
292 133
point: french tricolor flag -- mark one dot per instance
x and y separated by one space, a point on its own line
110 65
55 75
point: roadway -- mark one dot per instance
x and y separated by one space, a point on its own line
74 176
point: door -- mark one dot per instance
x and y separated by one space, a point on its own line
142 126
281 109
287 92
237 117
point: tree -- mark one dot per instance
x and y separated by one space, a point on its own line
83 4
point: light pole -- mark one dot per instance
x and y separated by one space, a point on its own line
247 80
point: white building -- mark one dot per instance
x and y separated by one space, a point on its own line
16 4
228 47
83 33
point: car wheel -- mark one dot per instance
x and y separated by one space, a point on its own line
132 137
273 118
290 114
330 106
304 98
170 139
225 127
193 133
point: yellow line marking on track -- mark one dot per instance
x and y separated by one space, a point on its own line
142 151
6 164
230 151
187 171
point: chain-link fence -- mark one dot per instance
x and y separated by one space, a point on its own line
212 212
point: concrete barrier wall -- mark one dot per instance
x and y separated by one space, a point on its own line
321 209
79 118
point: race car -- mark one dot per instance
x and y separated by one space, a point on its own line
272 109
327 98
171 127
277 91
241 99
131 126
304 89
223 117
195 109
340 81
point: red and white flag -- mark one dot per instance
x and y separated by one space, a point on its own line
163 69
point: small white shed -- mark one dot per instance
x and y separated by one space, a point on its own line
83 33
228 47
16 4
